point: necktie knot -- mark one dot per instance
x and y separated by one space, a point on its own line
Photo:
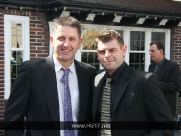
66 75
108 81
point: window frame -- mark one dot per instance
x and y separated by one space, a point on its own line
7 48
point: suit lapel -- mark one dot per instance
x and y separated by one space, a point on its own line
123 83
152 68
96 93
50 90
83 90
162 70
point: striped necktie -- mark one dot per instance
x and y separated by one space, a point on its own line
156 70
106 104
67 105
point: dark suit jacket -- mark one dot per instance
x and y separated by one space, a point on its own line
35 96
138 100
169 78
99 71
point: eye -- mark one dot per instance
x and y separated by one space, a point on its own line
101 51
112 50
61 38
152 50
72 39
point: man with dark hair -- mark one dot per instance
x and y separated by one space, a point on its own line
167 72
53 89
127 98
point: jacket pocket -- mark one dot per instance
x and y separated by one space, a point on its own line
133 105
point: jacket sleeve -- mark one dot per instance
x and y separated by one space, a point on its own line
158 109
173 81
16 107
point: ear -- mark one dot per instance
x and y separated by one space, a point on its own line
80 43
161 51
51 40
124 49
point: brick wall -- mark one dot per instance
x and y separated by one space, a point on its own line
175 54
39 35
1 67
39 44
175 49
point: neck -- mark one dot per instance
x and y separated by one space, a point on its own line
64 63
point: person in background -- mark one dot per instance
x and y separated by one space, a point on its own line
167 72
126 97
53 89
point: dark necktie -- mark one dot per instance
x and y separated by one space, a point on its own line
106 104
67 105
156 70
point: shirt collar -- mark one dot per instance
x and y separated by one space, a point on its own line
58 66
161 62
116 75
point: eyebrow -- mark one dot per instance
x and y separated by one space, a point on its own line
106 49
152 50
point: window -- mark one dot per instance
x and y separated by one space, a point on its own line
137 50
88 48
16 52
162 35
16 32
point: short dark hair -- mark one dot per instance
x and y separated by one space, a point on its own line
109 35
67 21
159 45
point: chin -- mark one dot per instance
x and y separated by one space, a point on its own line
109 68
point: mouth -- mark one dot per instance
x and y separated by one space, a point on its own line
65 50
108 61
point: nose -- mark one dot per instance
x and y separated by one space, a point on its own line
107 53
66 43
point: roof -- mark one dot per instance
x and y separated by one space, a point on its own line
161 6
127 8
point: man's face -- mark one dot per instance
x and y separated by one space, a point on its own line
111 55
65 41
155 54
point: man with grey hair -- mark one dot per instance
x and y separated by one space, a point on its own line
167 72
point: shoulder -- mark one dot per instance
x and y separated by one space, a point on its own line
135 73
84 65
100 71
169 62
85 69
47 60
34 62
35 65
142 79
99 77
